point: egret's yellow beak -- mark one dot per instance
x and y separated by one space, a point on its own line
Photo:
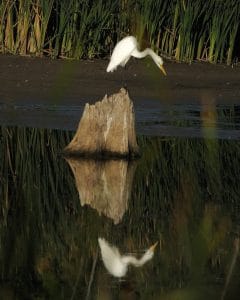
163 70
152 248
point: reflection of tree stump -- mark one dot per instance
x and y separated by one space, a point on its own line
106 128
104 185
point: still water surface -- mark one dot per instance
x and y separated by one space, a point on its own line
183 193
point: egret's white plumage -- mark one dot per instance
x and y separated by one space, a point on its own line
128 47
117 264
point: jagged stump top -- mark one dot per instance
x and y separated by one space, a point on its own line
106 129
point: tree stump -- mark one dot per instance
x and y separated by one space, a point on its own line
106 129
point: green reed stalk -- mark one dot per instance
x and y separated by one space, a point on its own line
150 18
7 26
23 26
222 30
41 13
233 30
169 37
182 29
64 13
90 38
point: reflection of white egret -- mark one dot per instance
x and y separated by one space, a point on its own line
128 47
117 264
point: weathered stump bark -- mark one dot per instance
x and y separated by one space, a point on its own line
106 129
105 185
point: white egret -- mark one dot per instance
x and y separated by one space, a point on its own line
128 47
117 264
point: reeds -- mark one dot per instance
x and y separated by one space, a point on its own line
184 30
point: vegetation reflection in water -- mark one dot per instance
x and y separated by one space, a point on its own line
185 194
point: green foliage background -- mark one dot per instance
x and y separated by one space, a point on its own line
184 30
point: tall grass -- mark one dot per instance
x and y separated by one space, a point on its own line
184 30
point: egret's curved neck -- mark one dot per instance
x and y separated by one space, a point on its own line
134 261
140 54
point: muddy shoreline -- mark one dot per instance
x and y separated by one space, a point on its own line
30 85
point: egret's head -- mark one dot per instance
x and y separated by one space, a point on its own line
150 252
163 70
159 63
152 248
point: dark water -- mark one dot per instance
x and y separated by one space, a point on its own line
183 193
153 118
